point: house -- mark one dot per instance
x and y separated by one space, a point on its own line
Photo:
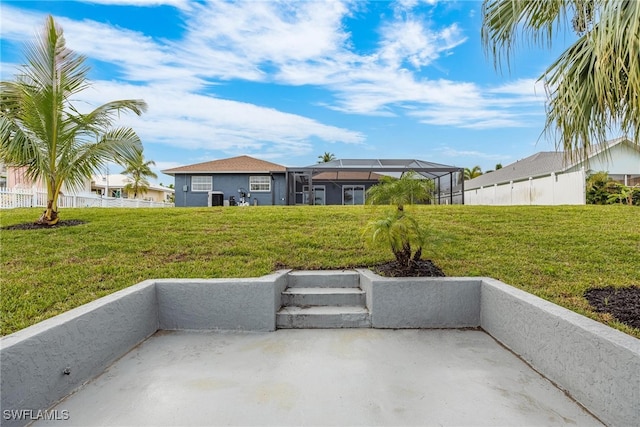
113 186
247 180
241 179
17 179
549 178
3 175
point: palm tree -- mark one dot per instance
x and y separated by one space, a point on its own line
594 86
326 157
398 230
401 233
137 173
472 173
42 131
407 190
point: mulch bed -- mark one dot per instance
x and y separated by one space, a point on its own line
420 268
621 303
34 226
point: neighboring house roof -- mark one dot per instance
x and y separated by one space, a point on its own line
240 164
539 164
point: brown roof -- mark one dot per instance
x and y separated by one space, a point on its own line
234 164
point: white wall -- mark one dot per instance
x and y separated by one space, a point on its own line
621 159
560 189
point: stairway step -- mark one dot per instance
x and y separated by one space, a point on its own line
324 279
323 296
323 317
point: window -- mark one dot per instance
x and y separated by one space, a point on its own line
353 194
201 183
259 183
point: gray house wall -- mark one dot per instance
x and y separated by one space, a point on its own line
229 184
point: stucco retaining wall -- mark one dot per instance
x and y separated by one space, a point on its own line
231 304
597 365
428 302
86 340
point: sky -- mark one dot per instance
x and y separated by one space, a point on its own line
287 81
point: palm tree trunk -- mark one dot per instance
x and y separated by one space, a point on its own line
50 215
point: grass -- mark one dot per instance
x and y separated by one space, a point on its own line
554 252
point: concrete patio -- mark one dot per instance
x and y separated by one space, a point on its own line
321 377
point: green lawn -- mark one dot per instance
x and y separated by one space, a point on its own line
554 252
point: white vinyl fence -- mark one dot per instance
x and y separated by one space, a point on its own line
554 189
35 197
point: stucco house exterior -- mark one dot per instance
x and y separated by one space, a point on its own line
257 182
16 179
214 183
113 186
551 178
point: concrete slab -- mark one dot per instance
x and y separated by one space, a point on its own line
321 377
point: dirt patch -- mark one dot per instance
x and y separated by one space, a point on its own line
621 303
34 226
421 268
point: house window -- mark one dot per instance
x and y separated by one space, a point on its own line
201 183
353 194
259 183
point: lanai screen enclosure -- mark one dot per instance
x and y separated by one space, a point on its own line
301 180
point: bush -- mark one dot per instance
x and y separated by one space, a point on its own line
602 190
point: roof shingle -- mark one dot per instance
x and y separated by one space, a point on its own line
242 164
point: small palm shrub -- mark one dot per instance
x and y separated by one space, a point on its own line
400 232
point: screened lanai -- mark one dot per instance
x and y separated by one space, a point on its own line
345 181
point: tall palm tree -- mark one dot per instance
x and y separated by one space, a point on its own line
42 131
594 87
326 157
137 173
475 172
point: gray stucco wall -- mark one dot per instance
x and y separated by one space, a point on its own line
86 340
599 366
229 184
443 302
229 304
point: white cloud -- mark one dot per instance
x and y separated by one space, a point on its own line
452 152
180 4
199 122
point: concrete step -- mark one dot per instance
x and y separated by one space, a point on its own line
323 317
323 296
324 279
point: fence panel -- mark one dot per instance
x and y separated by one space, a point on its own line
554 189
29 198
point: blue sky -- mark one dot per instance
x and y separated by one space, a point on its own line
288 81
